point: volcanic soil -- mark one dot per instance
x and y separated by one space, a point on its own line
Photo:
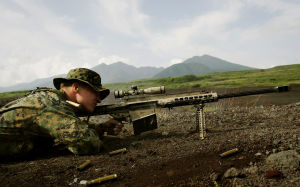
260 127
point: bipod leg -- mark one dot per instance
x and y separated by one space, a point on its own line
197 117
200 120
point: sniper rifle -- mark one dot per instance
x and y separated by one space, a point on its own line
149 122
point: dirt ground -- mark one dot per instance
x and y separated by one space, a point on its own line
174 155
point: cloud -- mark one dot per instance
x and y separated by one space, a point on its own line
122 17
220 32
36 43
112 59
38 40
276 40
175 61
36 37
198 35
284 23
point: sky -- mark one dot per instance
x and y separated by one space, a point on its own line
43 38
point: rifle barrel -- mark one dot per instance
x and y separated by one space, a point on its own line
179 101
255 92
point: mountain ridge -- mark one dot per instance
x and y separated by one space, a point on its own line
122 72
115 72
200 65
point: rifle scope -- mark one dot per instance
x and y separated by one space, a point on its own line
134 91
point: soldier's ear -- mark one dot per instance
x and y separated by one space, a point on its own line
75 87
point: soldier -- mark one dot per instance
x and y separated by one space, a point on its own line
51 114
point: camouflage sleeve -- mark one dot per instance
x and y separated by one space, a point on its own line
69 130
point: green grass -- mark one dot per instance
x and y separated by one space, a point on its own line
13 94
279 75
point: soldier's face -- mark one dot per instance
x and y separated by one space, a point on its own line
88 98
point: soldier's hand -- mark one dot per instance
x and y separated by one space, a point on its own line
112 127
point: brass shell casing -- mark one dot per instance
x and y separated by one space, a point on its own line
84 165
117 151
102 179
229 152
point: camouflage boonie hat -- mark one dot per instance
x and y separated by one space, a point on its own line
86 76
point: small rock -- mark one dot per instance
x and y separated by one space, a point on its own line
99 169
231 173
281 148
295 180
258 154
297 104
276 142
75 180
214 176
291 118
295 136
285 160
265 147
84 182
274 151
252 170
274 174
165 133
267 152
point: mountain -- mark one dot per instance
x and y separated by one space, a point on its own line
121 72
116 72
44 82
200 65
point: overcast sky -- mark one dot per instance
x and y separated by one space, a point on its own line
42 38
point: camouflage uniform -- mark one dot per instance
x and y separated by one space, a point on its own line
45 114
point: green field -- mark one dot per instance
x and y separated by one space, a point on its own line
13 94
279 75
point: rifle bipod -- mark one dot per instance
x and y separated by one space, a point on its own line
200 120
